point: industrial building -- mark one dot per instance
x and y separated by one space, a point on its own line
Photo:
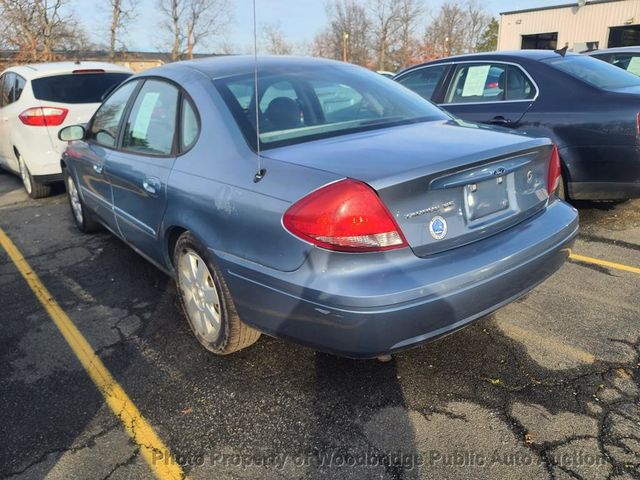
586 25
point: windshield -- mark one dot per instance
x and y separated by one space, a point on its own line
76 87
302 105
594 72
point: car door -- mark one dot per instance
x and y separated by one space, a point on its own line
101 140
5 104
139 170
425 81
490 92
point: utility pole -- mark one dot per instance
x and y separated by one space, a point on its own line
345 46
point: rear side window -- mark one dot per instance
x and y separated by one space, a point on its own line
627 61
424 81
594 72
76 88
190 127
6 89
20 83
151 126
104 127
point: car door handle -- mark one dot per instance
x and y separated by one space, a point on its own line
500 120
98 167
151 185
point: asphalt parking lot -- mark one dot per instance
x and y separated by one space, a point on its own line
548 387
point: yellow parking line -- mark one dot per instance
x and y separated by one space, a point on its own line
604 263
140 431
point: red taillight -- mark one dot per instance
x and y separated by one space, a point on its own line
43 116
554 172
638 123
347 216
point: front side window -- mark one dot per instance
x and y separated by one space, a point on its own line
104 127
424 81
309 103
594 72
151 126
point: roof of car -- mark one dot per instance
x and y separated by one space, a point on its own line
37 70
224 66
504 56
635 49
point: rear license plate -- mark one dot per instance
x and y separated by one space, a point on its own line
484 198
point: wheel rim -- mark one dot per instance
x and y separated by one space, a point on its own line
74 199
24 174
200 295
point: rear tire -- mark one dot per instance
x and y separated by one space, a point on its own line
82 216
206 301
31 186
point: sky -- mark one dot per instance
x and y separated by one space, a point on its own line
300 20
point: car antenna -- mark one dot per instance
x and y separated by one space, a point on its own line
260 172
563 50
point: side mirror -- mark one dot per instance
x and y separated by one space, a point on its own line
71 133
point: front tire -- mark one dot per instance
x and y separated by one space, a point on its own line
82 217
31 186
206 300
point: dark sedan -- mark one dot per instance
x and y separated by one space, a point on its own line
588 107
627 58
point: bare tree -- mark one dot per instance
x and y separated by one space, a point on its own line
38 29
275 41
456 28
411 13
192 23
386 26
347 36
122 12
477 21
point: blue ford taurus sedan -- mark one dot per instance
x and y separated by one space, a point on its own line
332 207
590 109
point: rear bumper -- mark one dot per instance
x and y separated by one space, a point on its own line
609 172
603 190
51 178
366 305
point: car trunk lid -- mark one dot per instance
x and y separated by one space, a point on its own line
446 183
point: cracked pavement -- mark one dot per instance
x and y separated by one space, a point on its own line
548 387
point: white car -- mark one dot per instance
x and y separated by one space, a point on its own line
38 100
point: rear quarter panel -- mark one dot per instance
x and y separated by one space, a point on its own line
212 192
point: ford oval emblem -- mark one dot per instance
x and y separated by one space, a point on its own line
499 172
438 227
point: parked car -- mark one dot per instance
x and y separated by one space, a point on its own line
627 58
588 108
360 228
35 101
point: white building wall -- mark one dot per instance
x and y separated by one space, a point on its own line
573 24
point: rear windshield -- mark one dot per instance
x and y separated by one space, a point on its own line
76 88
594 72
299 105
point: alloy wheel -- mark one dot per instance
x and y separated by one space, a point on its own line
200 295
74 199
